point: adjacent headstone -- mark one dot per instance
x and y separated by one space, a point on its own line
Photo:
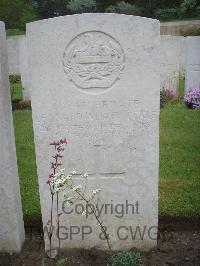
95 78
11 217
13 50
182 56
172 61
192 73
24 69
179 28
18 62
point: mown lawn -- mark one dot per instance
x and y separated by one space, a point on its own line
26 163
179 188
16 89
179 162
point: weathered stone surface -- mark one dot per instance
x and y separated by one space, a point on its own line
14 50
179 28
192 73
11 218
24 69
173 57
18 61
172 51
95 78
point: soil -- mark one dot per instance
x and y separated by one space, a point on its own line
21 104
178 244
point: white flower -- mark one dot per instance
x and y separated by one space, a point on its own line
56 189
83 213
59 174
56 176
84 175
98 224
73 172
65 195
95 191
62 171
68 203
68 177
76 188
68 200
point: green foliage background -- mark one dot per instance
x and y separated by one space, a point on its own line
16 13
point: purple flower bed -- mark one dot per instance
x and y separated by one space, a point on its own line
192 98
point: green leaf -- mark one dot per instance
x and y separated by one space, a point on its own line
61 262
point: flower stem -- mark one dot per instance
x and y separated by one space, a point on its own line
52 196
94 213
58 221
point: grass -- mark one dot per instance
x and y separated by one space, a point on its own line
179 187
14 32
15 87
16 91
181 90
179 162
26 163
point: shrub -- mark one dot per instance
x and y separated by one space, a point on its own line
124 8
190 32
15 78
16 13
166 96
14 32
79 6
28 15
166 13
187 8
192 98
15 87
126 258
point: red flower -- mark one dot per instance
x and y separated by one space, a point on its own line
50 176
55 143
55 165
63 141
59 149
57 156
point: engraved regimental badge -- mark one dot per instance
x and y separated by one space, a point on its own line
93 60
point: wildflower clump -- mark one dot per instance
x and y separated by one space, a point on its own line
60 182
192 98
166 95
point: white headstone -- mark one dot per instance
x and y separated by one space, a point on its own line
13 51
192 73
11 217
95 78
18 62
24 69
172 61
